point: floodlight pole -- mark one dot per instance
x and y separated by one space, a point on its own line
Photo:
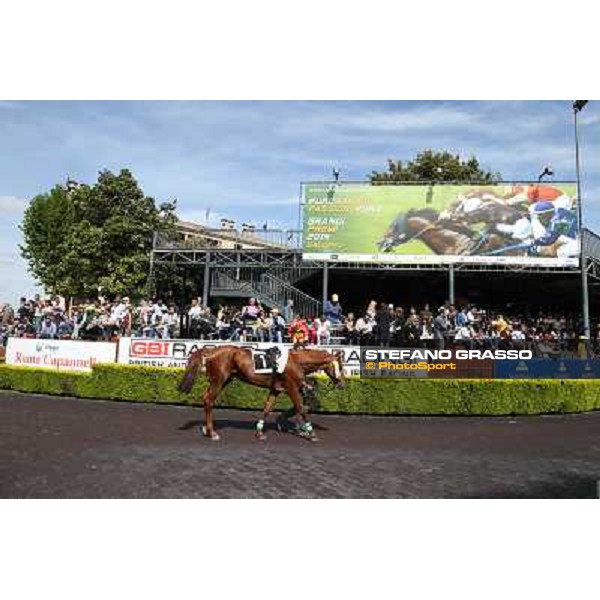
206 281
451 283
582 258
325 284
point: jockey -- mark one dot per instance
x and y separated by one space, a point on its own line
278 357
552 225
520 230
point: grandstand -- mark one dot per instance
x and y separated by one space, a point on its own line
241 262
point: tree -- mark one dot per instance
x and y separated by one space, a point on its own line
433 167
77 240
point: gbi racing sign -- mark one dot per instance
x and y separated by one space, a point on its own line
175 353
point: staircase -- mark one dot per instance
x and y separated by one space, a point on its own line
269 288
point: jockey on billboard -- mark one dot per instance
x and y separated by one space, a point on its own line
556 227
548 230
534 192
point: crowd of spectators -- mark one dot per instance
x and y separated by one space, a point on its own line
100 319
548 335
381 324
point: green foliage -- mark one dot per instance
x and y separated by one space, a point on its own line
361 396
46 227
430 167
98 235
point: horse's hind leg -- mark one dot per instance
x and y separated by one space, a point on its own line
260 425
210 395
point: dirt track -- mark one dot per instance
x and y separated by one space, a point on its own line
64 447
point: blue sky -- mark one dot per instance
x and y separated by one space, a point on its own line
246 159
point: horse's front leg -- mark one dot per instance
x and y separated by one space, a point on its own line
293 388
260 425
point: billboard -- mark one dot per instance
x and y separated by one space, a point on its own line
69 355
175 353
516 223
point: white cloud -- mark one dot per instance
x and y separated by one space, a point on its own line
12 204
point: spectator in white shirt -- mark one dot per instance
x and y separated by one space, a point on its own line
323 331
158 308
195 310
518 334
194 315
471 316
119 311
171 322
465 334
364 329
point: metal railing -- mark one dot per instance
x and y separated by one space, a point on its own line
280 291
222 282
226 239
292 274
268 289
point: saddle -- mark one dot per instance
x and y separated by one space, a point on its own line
265 361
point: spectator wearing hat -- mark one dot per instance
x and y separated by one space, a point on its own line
277 327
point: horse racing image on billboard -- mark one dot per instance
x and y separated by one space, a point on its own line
524 223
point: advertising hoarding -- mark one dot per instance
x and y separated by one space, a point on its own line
67 355
175 353
517 223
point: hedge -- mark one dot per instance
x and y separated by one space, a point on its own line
361 396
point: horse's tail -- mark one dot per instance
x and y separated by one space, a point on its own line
195 364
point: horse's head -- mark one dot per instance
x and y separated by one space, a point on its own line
395 234
335 369
405 227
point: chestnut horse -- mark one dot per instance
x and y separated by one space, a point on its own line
225 363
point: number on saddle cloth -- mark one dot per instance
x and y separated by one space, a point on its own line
261 361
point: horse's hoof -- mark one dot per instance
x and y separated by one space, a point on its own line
215 437
309 437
